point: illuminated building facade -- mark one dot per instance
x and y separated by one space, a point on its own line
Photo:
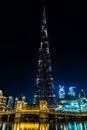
21 105
71 91
44 83
69 102
43 106
61 92
2 101
72 105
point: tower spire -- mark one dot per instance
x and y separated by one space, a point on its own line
44 23
44 15
44 34
44 82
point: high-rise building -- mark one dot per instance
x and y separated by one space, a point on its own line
44 82
10 103
61 92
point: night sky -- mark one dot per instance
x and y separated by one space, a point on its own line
20 26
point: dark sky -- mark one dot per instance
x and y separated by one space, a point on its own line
20 25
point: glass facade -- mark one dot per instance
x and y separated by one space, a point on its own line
76 105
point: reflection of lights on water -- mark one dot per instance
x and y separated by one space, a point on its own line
65 127
56 127
16 126
79 126
61 126
24 126
70 126
34 126
3 126
0 124
44 126
75 126
85 125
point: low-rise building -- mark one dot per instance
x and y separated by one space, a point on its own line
2 101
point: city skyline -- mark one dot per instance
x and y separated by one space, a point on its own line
20 42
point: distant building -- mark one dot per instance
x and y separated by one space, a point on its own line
16 100
61 92
23 98
71 91
82 94
2 101
10 103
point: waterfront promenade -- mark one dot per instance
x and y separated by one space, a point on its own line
38 113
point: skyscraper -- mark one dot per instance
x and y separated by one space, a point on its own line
44 82
10 103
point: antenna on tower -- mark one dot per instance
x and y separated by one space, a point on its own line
44 24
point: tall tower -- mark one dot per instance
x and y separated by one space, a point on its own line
44 82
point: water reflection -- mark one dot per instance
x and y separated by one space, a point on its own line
44 126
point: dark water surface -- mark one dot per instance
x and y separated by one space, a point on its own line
44 126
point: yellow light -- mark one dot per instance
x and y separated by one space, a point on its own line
30 126
44 126
24 126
